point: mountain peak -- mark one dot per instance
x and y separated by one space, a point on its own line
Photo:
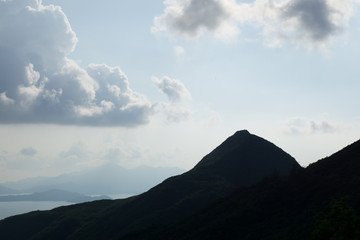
243 132
244 158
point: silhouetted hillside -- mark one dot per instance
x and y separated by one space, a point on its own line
240 190
283 207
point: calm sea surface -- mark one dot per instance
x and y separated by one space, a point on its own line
8 209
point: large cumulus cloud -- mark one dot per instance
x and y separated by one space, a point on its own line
309 22
40 84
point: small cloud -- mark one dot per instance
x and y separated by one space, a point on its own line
29 151
27 158
177 93
5 99
117 154
193 18
179 51
174 89
295 126
77 150
175 113
322 127
313 23
300 126
190 18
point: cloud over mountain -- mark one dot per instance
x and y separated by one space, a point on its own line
174 89
299 125
40 84
177 93
309 22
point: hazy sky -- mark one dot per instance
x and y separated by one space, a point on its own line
162 83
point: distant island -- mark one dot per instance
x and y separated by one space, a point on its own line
108 179
52 195
7 191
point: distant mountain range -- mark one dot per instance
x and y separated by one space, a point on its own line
107 179
52 195
247 188
6 190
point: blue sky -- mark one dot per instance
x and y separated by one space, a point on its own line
162 83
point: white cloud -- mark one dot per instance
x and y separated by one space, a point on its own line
300 126
24 160
192 18
177 93
5 100
175 113
313 23
32 75
179 51
77 150
174 89
40 84
122 154
323 127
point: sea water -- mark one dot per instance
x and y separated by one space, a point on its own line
8 209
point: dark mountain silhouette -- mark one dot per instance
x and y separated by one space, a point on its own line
284 207
244 159
247 188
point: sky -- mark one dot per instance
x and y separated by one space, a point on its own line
162 83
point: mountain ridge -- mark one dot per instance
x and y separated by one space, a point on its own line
205 201
280 208
248 155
